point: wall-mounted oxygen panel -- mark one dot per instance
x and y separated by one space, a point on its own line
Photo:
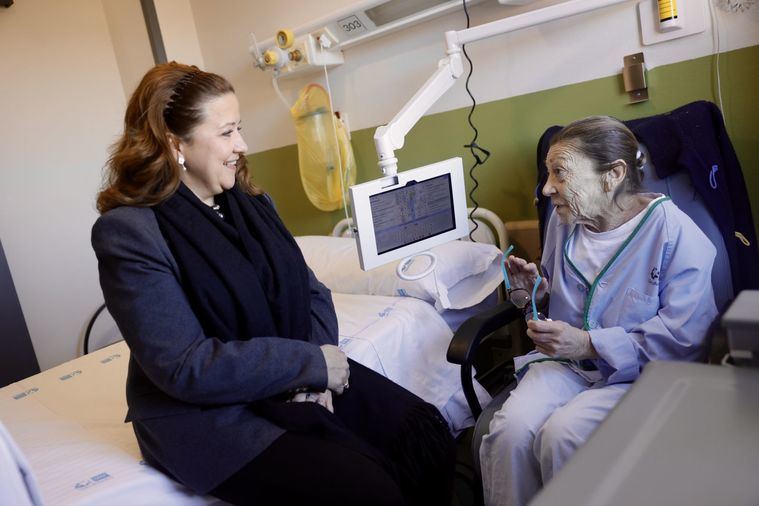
290 55
691 19
319 42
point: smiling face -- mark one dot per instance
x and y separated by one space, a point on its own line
212 149
574 186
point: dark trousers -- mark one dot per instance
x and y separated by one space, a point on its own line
382 446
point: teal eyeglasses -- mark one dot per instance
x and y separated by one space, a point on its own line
520 297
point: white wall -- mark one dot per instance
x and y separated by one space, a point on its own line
180 39
62 104
379 76
131 45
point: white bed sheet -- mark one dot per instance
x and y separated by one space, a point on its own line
406 340
69 420
69 423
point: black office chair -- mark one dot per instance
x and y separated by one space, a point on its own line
728 275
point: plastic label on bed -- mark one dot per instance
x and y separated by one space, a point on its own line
94 480
70 375
26 393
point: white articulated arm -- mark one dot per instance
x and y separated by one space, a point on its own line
390 137
532 18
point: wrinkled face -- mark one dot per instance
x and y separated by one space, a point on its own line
214 146
573 184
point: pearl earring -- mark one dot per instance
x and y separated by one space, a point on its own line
180 160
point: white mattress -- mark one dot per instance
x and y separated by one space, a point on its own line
406 340
69 423
69 420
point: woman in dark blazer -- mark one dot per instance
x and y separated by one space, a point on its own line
236 386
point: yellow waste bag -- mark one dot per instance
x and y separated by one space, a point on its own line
319 156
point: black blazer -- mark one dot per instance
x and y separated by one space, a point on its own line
189 393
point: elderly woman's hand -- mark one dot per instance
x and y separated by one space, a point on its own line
522 274
559 339
321 398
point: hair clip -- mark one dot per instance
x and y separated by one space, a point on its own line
179 88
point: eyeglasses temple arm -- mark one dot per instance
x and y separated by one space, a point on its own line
503 267
534 291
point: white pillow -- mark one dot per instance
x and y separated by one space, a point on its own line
465 274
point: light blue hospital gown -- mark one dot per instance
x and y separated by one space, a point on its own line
654 301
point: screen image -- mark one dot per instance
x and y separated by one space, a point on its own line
412 213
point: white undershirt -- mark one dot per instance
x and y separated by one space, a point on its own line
590 251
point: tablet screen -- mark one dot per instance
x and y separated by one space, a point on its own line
412 213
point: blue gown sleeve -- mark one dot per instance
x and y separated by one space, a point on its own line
678 328
142 291
549 248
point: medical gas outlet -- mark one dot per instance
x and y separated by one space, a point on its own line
297 55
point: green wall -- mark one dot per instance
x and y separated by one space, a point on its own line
510 129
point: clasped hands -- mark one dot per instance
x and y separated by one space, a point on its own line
557 339
321 398
338 373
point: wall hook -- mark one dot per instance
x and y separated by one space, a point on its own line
634 77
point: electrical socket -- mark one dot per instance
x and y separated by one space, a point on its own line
324 37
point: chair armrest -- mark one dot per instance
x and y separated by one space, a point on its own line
467 339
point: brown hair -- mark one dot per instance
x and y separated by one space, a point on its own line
142 169
604 140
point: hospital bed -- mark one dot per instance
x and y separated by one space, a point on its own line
402 329
68 420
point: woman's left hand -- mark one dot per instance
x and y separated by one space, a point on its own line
321 398
558 339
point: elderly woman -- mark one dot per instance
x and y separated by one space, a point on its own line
236 386
626 280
